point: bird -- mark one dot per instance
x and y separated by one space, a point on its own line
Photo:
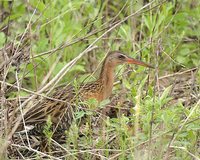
61 111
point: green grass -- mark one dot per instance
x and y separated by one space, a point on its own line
162 121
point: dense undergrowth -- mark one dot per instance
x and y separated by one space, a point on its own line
152 114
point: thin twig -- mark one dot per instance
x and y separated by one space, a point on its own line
20 108
184 149
185 121
36 151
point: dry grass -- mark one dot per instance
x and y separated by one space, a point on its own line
117 129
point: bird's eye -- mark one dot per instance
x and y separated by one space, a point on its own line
121 57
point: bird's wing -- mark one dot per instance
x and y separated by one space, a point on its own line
58 109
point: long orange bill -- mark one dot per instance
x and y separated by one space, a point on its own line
135 61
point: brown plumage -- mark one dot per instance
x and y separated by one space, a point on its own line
61 112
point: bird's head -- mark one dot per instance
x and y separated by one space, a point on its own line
115 58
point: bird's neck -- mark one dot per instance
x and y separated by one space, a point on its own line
107 79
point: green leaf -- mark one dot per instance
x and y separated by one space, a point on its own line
182 59
92 103
79 68
47 128
104 103
143 82
80 114
2 39
165 93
